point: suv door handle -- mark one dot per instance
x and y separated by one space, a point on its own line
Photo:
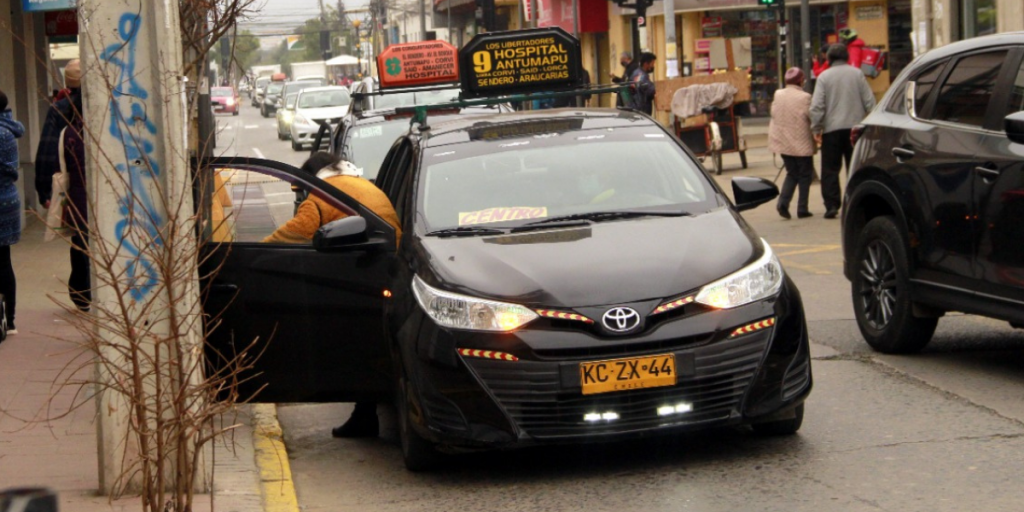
902 153
987 172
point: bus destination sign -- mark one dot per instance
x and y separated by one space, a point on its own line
520 61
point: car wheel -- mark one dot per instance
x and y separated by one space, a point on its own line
235 113
296 146
786 427
881 291
417 453
263 112
281 136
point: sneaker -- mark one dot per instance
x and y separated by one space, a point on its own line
804 215
11 332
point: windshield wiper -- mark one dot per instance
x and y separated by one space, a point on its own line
466 231
609 215
546 225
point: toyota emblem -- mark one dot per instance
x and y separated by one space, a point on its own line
621 319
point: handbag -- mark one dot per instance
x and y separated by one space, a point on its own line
58 197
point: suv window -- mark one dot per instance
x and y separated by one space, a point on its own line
923 85
965 95
1017 93
898 103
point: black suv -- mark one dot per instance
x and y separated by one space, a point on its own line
933 218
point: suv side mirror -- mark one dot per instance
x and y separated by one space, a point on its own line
340 234
752 192
1014 126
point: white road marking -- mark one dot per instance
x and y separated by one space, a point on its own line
251 126
259 153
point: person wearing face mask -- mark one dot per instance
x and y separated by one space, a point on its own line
631 65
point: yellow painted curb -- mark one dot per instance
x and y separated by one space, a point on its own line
276 484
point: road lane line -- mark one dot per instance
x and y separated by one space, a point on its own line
251 126
276 483
259 153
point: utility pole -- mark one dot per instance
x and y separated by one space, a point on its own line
805 39
423 20
134 99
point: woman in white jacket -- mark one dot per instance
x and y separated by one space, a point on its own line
789 134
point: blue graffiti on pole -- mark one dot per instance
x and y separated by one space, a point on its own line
138 218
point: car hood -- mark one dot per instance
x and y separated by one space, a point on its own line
323 113
611 262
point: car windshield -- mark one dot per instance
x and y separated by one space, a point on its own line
368 144
262 83
322 99
289 101
274 87
407 99
220 92
296 87
505 182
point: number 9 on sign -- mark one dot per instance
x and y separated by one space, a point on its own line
482 61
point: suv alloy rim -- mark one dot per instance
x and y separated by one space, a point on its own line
878 284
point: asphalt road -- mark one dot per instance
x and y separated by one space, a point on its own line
938 431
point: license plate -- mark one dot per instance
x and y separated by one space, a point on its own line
628 374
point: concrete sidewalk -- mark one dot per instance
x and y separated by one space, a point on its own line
41 442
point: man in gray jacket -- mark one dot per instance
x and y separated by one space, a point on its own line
842 99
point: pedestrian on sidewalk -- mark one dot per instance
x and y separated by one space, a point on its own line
841 100
10 207
57 118
76 212
789 135
641 85
630 65
854 46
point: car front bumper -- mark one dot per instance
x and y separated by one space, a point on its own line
727 379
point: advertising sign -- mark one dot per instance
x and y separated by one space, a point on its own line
47 5
61 23
421 63
496 63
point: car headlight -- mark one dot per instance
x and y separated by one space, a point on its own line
300 119
464 312
286 115
230 101
759 280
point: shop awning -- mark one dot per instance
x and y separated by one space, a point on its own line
731 5
343 60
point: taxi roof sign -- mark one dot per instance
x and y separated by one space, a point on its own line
520 61
418 64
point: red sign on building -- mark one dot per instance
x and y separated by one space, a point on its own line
422 63
61 23
558 13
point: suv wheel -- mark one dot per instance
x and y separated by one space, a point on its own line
881 291
785 427
417 453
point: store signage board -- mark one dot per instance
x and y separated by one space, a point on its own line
417 64
47 5
520 61
61 23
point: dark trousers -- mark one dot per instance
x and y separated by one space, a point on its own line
835 148
799 172
78 284
8 285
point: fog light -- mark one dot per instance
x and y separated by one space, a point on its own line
668 410
592 416
684 407
598 416
610 416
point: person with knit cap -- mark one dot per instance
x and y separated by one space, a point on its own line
789 135
854 46
57 118
10 206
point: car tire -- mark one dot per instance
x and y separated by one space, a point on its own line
263 112
881 291
418 454
235 112
785 427
281 136
296 146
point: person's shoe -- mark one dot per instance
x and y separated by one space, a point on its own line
831 213
804 215
11 331
358 426
784 212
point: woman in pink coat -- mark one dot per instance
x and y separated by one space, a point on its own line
789 134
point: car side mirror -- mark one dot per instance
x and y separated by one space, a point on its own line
1014 126
751 192
340 234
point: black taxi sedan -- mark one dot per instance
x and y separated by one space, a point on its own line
561 276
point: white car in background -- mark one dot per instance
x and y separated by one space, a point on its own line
314 106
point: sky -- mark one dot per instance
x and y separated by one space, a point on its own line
283 15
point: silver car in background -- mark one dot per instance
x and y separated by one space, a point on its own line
314 106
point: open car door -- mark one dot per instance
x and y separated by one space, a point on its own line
313 319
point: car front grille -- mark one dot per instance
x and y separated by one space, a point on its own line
532 392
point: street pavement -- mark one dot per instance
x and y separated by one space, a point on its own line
937 431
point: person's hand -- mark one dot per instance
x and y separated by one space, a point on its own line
46 204
817 139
